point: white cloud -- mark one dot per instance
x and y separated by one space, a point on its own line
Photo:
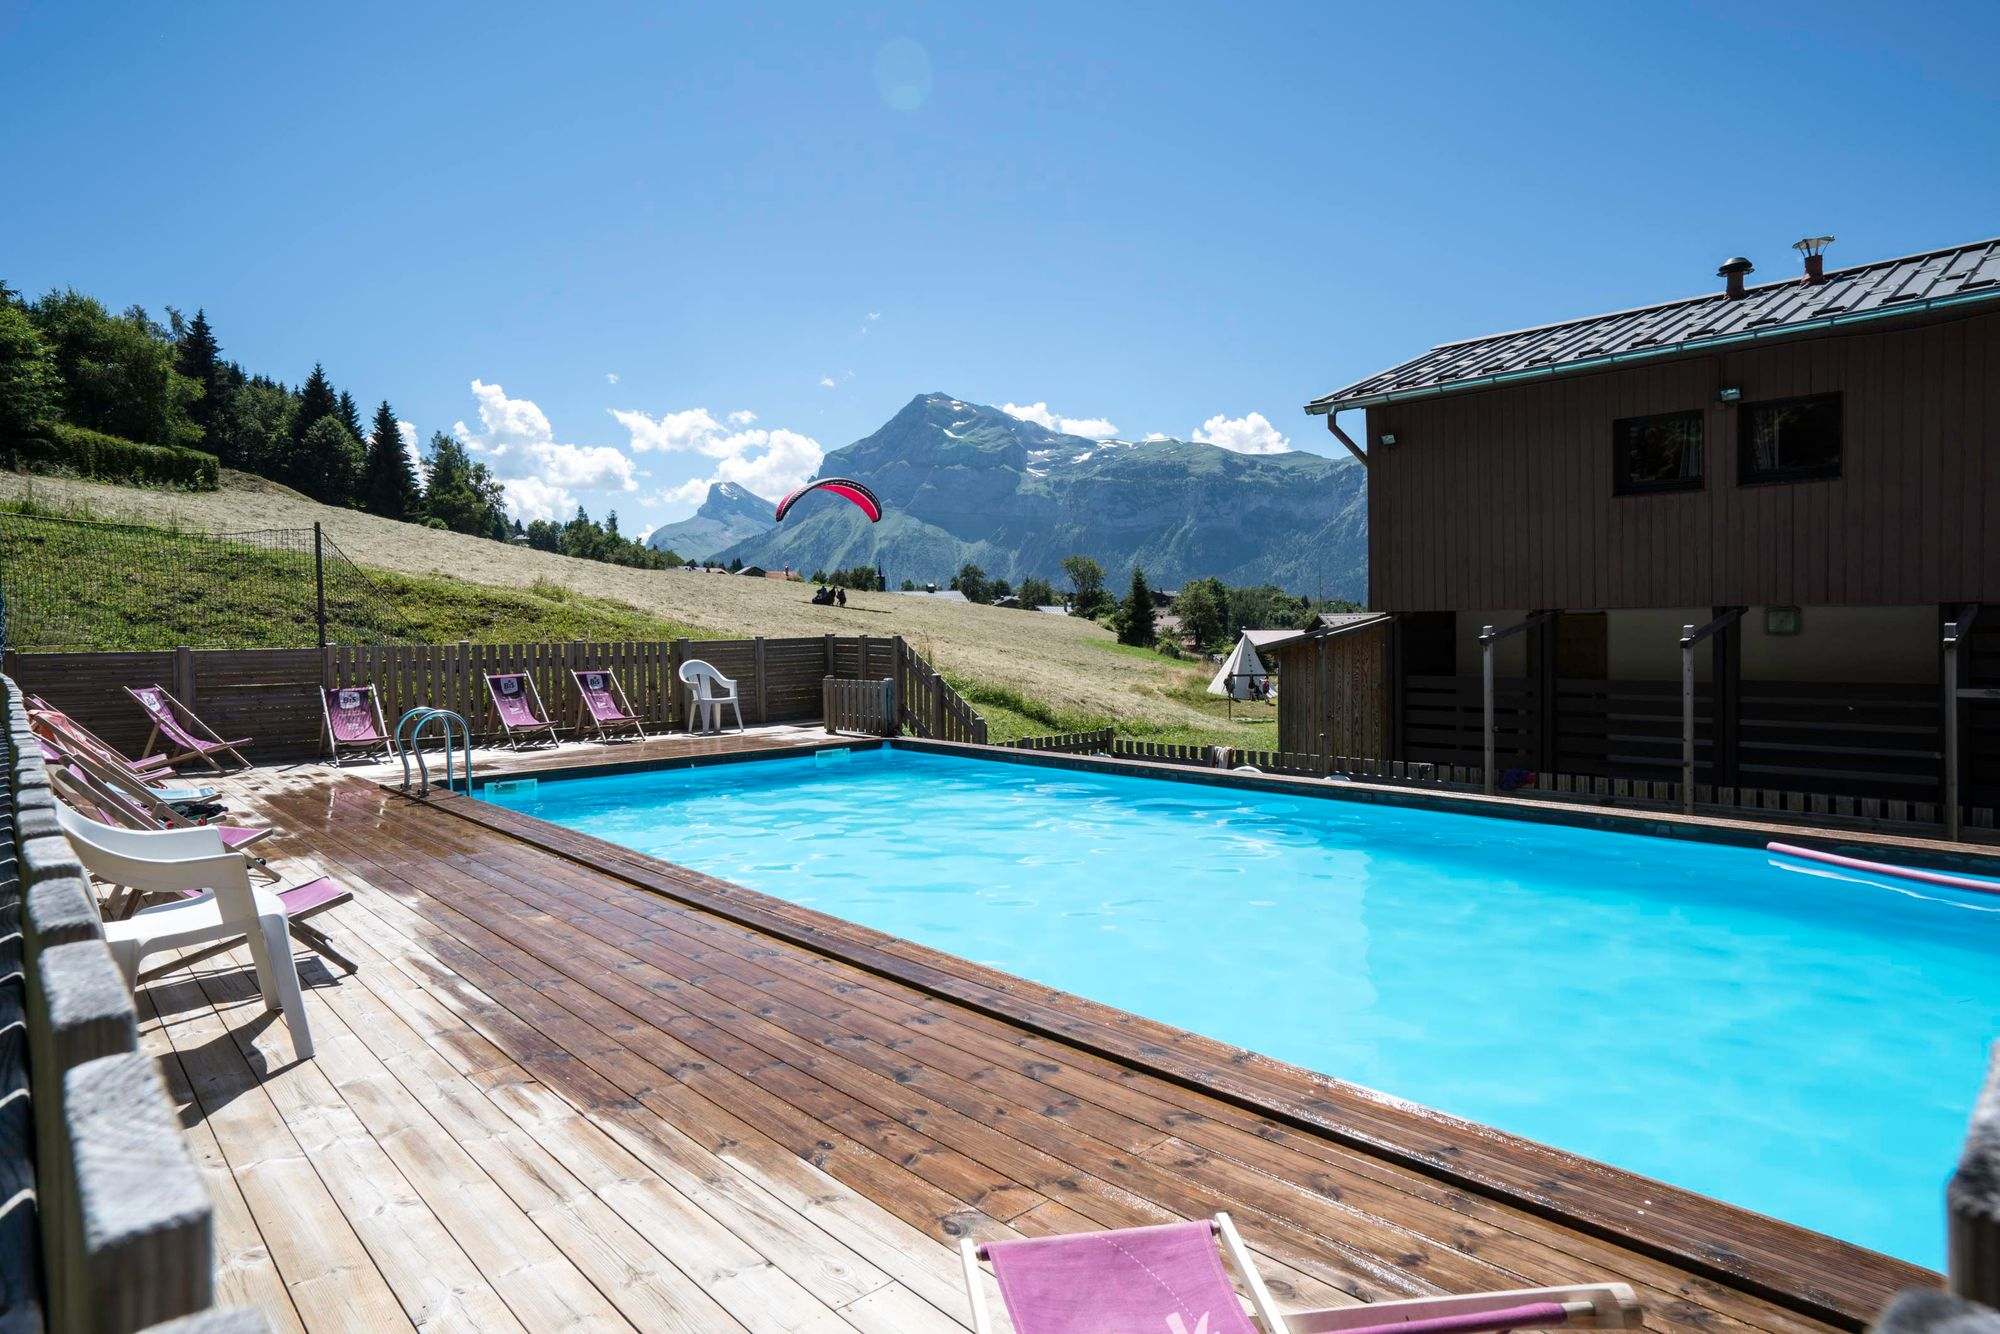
516 433
531 498
768 462
1090 428
412 445
1157 435
828 382
1244 435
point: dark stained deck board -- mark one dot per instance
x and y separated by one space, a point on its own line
723 1033
1817 1276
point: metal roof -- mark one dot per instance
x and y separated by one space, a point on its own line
1869 291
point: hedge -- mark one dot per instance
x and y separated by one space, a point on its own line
107 458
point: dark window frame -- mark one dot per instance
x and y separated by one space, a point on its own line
1747 474
1621 475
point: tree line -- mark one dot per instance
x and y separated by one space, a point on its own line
66 361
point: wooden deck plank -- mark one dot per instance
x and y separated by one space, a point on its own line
778 1121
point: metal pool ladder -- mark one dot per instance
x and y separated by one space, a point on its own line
447 722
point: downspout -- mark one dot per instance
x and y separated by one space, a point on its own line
1346 439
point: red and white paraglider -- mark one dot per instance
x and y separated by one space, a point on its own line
839 486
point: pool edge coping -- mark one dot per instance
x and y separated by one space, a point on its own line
1233 1074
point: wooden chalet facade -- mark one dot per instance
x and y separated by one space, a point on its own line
1808 470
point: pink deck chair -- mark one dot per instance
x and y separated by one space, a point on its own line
601 701
519 706
1169 1280
353 716
113 799
177 723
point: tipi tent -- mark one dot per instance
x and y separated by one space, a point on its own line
1242 675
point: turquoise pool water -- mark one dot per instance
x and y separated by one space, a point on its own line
1800 1043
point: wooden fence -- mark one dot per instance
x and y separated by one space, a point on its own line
1069 743
105 1223
272 695
867 707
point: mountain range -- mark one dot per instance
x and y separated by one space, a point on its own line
728 514
964 482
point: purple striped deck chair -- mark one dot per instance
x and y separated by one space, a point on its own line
174 722
518 705
353 717
601 701
1170 1280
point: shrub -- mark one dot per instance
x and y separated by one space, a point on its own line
106 458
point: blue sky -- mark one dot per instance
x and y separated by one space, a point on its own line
1154 220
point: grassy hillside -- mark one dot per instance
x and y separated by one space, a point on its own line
1027 671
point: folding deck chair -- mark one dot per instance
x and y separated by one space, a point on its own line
1169 1280
85 782
178 724
519 706
57 728
353 716
601 700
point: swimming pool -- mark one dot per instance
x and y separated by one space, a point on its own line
1805 1043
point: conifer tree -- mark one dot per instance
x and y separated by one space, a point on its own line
198 357
316 400
349 414
388 479
1135 618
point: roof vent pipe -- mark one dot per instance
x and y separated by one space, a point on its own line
1733 269
1814 248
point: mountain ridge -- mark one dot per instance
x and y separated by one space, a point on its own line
962 481
728 514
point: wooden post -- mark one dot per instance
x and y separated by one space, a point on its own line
184 675
1486 680
889 727
828 692
1687 719
763 709
678 692
1324 706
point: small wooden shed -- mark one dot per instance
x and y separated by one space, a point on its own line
1333 686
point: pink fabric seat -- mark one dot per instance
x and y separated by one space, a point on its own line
353 718
175 722
602 703
301 902
1160 1280
517 705
235 836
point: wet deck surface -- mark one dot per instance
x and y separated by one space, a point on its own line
556 1095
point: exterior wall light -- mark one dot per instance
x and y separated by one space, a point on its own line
1781 620
1728 395
1387 438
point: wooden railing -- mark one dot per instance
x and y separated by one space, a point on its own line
867 707
105 1223
929 706
1069 743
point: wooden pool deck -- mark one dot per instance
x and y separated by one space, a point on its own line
573 1087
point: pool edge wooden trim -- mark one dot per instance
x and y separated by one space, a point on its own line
1804 1271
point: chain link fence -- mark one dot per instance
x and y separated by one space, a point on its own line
69 585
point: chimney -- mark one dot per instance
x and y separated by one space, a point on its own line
1733 269
1814 249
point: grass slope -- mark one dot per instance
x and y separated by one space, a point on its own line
1026 671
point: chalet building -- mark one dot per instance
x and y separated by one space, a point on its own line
1806 471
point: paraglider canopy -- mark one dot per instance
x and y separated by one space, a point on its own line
839 486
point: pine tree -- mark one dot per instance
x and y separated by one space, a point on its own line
388 479
316 400
1135 618
349 414
198 357
329 462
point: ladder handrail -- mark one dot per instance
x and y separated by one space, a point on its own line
423 716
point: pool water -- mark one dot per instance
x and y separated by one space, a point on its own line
1802 1042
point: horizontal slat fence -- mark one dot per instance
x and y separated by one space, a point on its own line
271 695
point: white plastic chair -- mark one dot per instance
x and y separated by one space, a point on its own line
712 690
175 861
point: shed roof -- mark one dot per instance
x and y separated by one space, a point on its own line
1887 287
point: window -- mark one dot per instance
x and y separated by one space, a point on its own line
1790 440
1658 453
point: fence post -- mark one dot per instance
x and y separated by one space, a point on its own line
763 710
828 688
1486 681
889 724
319 585
830 657
677 692
1687 719
184 675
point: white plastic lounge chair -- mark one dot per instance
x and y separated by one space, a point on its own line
1169 1278
353 718
225 906
601 701
712 690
